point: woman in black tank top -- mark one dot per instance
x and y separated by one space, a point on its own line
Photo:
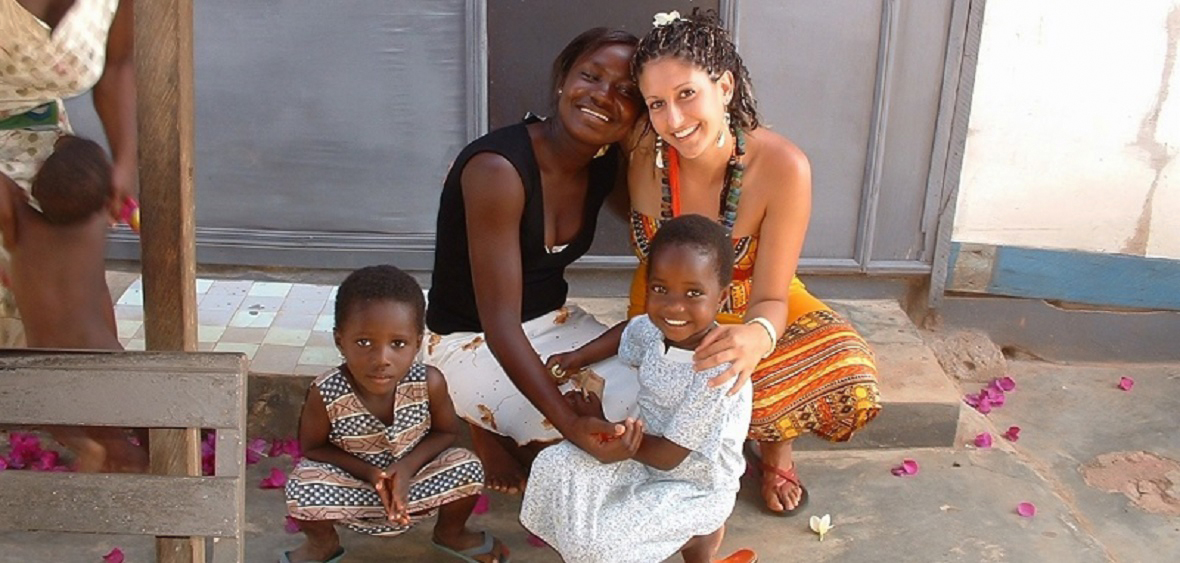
518 206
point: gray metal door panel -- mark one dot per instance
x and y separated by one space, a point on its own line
324 131
914 89
813 65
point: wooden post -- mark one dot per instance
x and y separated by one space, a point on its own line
164 67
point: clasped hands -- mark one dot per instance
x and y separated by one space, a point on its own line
393 488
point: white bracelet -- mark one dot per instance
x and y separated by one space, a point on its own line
769 327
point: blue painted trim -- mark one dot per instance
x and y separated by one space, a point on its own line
1086 277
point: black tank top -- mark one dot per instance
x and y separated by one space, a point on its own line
452 294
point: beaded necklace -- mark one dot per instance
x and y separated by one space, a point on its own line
731 191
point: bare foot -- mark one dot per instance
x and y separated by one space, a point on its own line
781 488
322 542
502 471
467 539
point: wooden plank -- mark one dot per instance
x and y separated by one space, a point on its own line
118 503
112 398
1074 276
164 67
171 362
960 120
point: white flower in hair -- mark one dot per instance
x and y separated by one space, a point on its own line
664 18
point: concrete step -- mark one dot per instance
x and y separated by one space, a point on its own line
920 402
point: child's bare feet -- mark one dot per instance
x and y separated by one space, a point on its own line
323 544
502 471
481 546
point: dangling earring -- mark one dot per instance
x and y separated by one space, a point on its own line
601 151
659 152
721 134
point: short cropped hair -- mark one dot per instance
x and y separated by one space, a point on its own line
380 283
701 234
74 183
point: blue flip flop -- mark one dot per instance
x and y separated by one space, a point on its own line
335 558
468 555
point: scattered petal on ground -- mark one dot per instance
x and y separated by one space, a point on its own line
3 463
275 480
984 407
1006 383
1013 433
822 525
291 526
907 467
1026 509
1126 383
535 541
972 399
286 446
255 451
983 440
482 505
115 556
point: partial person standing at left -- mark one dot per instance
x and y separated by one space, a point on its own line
51 50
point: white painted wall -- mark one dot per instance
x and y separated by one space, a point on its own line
1075 128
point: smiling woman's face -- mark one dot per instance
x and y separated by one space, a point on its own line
598 102
686 106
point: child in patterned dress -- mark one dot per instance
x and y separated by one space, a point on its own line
377 431
56 238
679 485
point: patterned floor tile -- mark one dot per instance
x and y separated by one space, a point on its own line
127 329
304 306
287 336
243 335
209 333
128 313
203 286
261 303
309 291
325 323
288 319
276 359
248 349
252 319
320 356
321 338
220 301
215 317
269 289
137 344
310 369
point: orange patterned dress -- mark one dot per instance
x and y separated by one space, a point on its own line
821 377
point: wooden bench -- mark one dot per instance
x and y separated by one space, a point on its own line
129 389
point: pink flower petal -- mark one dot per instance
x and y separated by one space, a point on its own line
482 505
275 480
1026 509
1126 383
983 440
3 463
984 407
285 446
46 461
115 556
291 526
1013 433
1006 383
897 472
998 400
972 399
909 466
255 451
535 541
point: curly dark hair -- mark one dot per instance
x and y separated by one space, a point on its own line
379 283
585 43
699 233
74 183
702 40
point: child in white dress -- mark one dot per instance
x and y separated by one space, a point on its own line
679 485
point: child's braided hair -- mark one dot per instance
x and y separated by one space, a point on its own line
702 40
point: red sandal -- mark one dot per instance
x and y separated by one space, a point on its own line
774 478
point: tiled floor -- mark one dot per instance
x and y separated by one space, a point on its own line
284 328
